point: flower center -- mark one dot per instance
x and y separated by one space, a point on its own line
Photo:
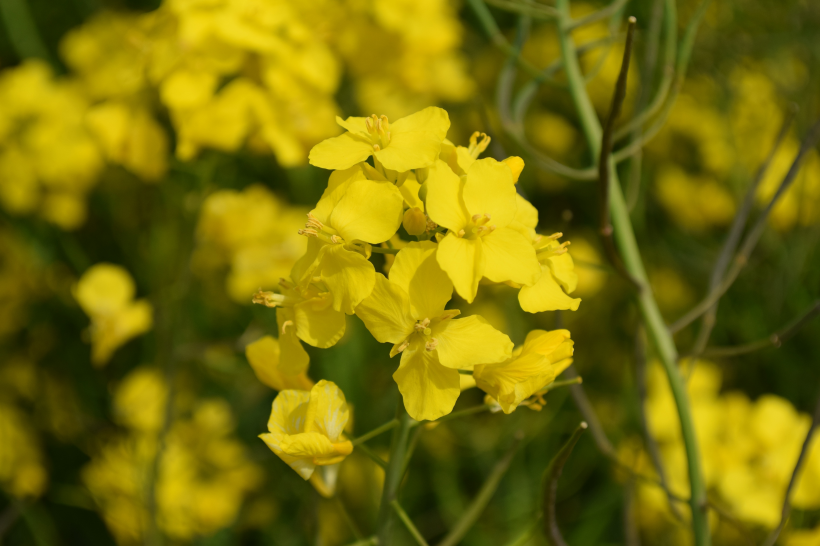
477 146
379 130
315 228
478 227
551 249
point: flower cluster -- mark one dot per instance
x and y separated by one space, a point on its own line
203 472
470 226
249 232
748 449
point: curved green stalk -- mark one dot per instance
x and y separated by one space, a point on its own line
393 474
628 247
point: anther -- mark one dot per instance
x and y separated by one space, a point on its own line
376 147
285 325
403 346
460 233
431 345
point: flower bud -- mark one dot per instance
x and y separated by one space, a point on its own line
415 222
516 165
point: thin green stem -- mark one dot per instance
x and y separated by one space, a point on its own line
393 474
371 455
375 432
628 247
22 32
348 518
484 495
558 384
456 414
408 523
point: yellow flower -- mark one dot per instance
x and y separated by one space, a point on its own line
532 366
411 142
483 240
352 210
264 356
22 473
557 278
140 399
305 428
106 294
408 311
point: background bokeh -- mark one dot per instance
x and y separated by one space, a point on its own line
169 140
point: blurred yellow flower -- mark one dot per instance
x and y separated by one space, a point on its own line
106 293
305 428
22 473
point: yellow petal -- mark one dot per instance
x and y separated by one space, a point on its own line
489 189
327 411
410 191
509 256
291 353
317 323
337 186
264 356
386 312
445 204
307 445
104 289
304 467
512 382
349 276
543 342
341 152
355 125
526 217
417 272
463 343
516 166
429 389
546 295
463 261
369 211
563 269
415 140
288 412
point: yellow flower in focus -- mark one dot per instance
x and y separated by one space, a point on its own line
534 365
557 279
408 310
106 294
411 142
478 211
264 356
305 428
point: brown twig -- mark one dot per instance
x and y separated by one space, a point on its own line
649 440
735 232
752 238
784 514
775 340
605 164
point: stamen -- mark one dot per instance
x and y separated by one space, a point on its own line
309 232
403 346
285 325
556 236
432 344
268 299
460 233
376 147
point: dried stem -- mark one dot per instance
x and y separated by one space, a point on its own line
735 232
775 340
604 165
752 238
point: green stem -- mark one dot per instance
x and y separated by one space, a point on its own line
408 523
393 475
375 432
380 250
22 31
456 415
628 247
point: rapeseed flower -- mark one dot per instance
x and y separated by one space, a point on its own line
408 310
482 238
412 142
531 367
557 278
265 357
106 294
305 428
